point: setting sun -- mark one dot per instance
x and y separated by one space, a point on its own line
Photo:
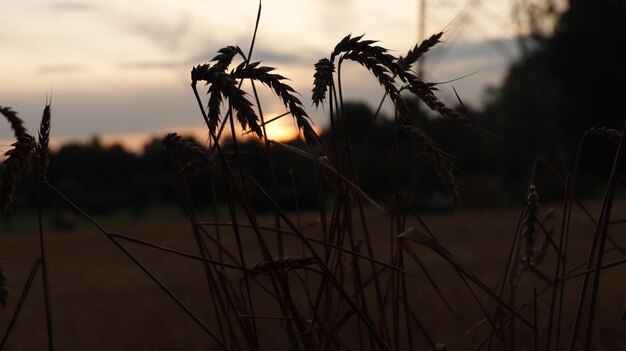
280 130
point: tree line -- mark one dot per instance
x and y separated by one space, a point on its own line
560 87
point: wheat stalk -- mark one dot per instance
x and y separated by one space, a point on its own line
225 57
207 73
197 155
414 54
213 107
425 92
612 135
43 147
224 84
540 254
286 94
378 69
4 290
322 80
439 160
385 68
16 123
357 45
14 166
282 263
530 221
529 224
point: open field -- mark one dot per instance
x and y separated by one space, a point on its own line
366 270
102 301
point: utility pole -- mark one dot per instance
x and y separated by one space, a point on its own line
421 35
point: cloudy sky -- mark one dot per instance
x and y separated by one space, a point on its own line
120 69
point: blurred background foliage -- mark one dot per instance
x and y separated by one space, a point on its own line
567 80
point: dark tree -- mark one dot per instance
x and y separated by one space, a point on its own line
564 85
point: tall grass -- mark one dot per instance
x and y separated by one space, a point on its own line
338 290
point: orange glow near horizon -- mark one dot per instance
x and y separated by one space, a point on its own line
281 131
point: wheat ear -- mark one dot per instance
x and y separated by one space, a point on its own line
414 54
43 144
16 123
440 162
529 224
196 156
14 166
286 94
223 84
322 80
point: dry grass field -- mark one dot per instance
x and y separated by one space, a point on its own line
101 301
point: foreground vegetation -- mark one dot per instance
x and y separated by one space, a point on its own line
357 273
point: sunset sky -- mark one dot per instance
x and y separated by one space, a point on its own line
120 69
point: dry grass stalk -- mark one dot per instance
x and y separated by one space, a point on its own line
439 160
4 289
16 123
43 147
14 166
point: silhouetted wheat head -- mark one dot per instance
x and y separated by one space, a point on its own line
14 167
287 95
420 49
227 85
43 147
16 123
439 160
532 255
346 296
529 224
387 69
394 74
322 80
192 155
